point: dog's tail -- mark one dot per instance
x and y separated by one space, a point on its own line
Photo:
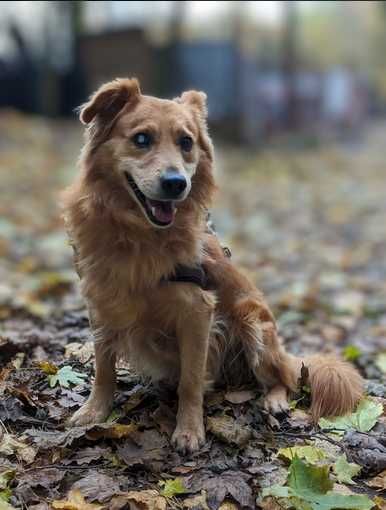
336 386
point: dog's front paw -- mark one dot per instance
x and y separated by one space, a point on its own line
188 439
93 411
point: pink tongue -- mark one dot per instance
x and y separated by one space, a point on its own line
162 211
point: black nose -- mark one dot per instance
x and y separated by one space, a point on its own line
173 183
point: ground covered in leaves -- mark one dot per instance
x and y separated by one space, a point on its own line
309 227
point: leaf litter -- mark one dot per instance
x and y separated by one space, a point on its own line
311 238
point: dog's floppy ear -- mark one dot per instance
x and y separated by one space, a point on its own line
196 100
109 100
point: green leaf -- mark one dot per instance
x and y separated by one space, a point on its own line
172 487
65 376
363 419
277 491
306 479
381 362
334 500
351 353
312 454
6 477
345 470
5 495
309 488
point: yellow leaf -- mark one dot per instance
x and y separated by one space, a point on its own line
75 501
112 431
47 367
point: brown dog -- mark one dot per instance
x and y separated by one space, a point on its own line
136 215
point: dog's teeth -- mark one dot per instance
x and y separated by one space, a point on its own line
153 210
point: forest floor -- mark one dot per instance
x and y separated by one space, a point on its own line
308 226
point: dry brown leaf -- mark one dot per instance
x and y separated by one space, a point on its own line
379 481
75 501
80 351
196 502
139 500
11 446
227 429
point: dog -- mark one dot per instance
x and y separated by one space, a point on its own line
160 290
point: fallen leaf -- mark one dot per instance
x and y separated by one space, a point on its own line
6 506
196 502
351 353
132 452
75 501
46 439
112 431
171 488
309 486
97 487
309 453
11 446
363 419
379 481
218 487
83 352
139 500
47 367
42 477
228 505
344 470
6 477
90 454
379 501
228 430
380 362
66 376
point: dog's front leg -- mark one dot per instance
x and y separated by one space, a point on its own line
101 399
193 340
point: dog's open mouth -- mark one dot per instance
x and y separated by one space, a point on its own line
159 212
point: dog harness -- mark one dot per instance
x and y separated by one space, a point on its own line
197 274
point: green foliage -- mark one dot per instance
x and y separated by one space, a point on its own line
363 419
344 470
309 453
172 487
351 353
310 488
66 376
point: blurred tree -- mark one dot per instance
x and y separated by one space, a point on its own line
290 60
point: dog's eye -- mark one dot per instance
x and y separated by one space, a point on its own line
142 140
186 143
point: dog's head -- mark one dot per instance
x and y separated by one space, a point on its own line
151 148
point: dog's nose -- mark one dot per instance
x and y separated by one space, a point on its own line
173 183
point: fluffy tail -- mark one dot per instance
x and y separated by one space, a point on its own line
336 386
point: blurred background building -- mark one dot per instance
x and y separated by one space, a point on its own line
268 67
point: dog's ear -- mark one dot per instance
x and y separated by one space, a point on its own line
196 100
110 99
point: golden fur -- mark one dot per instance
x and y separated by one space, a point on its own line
174 331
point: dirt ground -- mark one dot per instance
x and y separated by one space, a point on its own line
308 226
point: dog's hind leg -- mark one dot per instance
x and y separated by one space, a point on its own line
269 363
